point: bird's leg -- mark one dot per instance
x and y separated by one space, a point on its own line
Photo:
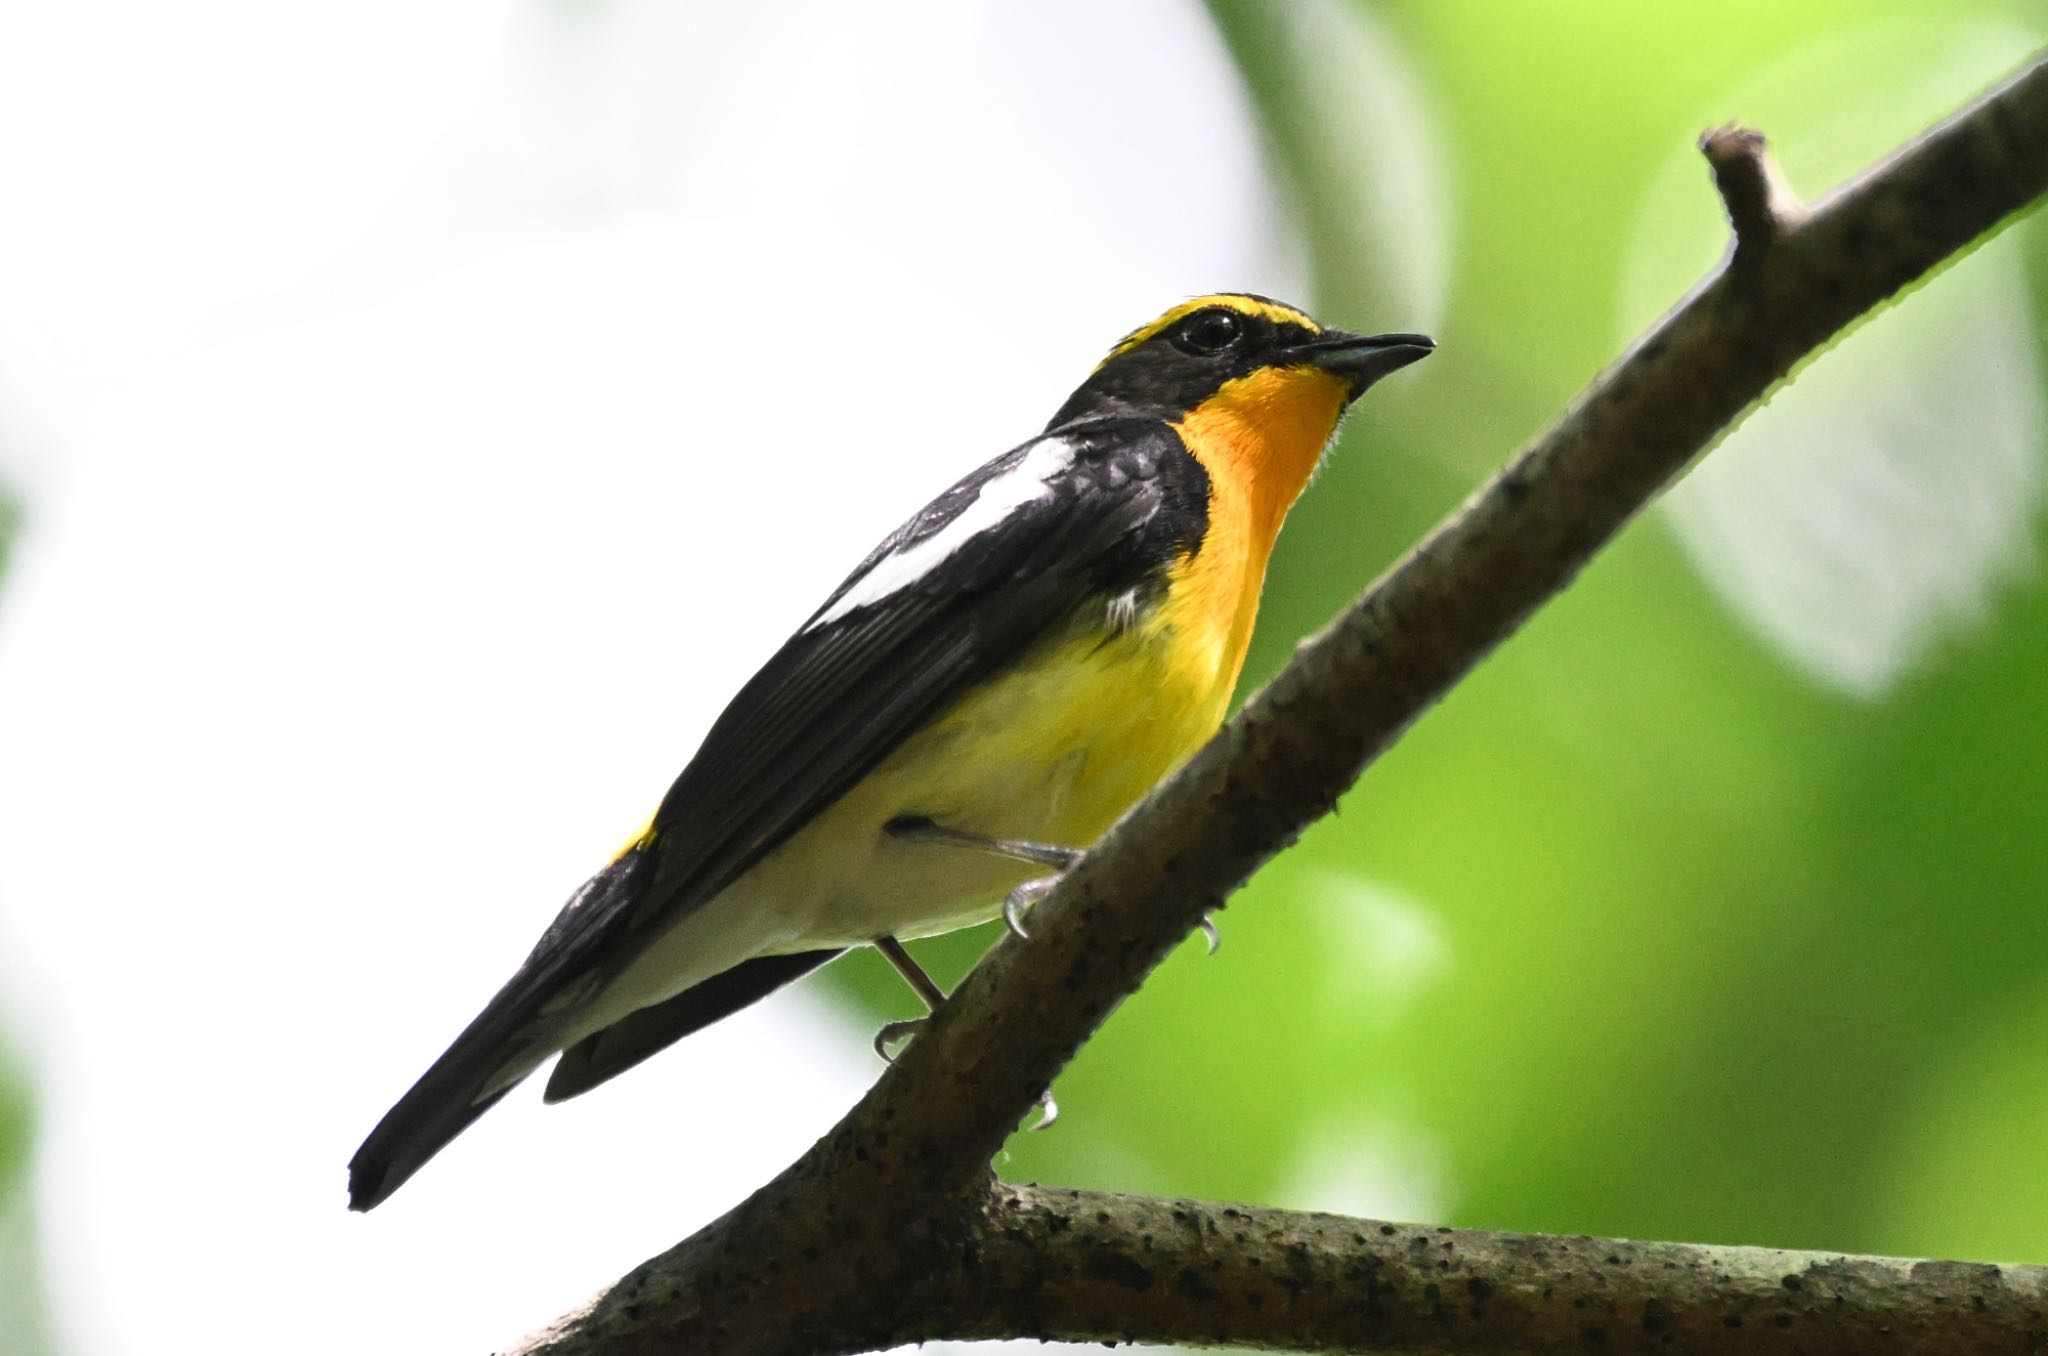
1043 854
921 830
1038 854
921 983
913 974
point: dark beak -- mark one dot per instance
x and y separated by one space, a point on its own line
1364 360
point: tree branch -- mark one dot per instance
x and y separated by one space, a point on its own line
1091 1266
872 1235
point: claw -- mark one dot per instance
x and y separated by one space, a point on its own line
1022 898
896 1031
1209 931
1048 1112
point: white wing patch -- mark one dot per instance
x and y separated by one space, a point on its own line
1023 483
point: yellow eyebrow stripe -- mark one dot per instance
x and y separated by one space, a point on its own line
1236 301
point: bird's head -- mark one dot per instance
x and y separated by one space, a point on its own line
1263 351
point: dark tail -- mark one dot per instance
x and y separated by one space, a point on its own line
437 1108
517 1029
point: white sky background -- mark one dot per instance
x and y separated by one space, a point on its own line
426 416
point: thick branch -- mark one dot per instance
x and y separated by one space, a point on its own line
1087 1266
835 1254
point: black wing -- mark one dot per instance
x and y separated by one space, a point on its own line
870 668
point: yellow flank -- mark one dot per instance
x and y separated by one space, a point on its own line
1053 751
1259 437
1243 305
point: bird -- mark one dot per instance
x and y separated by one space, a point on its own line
983 696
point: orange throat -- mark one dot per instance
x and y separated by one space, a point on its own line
1260 438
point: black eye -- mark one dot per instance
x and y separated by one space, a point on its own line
1209 332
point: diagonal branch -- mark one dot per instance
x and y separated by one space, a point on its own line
840 1252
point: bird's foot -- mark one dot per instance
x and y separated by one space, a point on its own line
1209 931
894 1032
1022 898
1048 1112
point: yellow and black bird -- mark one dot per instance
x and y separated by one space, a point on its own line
1004 676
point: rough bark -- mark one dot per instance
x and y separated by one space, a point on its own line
891 1229
1084 1265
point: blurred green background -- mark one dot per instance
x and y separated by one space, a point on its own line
21 1314
1691 914
1712 906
